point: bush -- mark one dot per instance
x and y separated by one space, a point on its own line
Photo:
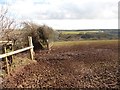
87 36
42 36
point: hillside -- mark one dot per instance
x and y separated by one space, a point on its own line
88 34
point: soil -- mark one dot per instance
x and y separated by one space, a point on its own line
80 66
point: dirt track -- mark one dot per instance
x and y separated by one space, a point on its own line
88 66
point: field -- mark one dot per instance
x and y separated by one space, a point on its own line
74 35
77 32
79 64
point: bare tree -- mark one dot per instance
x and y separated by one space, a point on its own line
7 24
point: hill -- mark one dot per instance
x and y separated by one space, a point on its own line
94 34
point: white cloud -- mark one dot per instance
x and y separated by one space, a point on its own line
97 11
80 24
65 9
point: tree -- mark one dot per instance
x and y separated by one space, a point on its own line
7 24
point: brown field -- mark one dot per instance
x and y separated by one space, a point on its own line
91 65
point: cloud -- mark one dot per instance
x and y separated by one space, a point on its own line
89 10
82 10
80 24
64 9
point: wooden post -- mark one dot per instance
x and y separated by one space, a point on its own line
31 45
12 51
7 65
48 46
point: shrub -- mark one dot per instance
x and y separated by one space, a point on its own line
42 35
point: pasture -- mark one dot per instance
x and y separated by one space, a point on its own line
77 32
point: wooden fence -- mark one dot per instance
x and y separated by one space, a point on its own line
18 51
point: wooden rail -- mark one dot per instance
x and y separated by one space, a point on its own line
15 52
18 51
5 41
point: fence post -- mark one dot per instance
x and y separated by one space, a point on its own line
7 65
31 45
12 51
48 46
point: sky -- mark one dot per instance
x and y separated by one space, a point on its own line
66 14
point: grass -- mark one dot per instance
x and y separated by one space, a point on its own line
84 42
77 32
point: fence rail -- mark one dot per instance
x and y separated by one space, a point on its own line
15 52
5 55
5 41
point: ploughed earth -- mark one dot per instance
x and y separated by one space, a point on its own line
79 66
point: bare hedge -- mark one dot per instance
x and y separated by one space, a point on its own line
41 34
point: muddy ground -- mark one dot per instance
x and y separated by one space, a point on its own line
88 66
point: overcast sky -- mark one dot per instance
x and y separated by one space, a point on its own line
67 14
